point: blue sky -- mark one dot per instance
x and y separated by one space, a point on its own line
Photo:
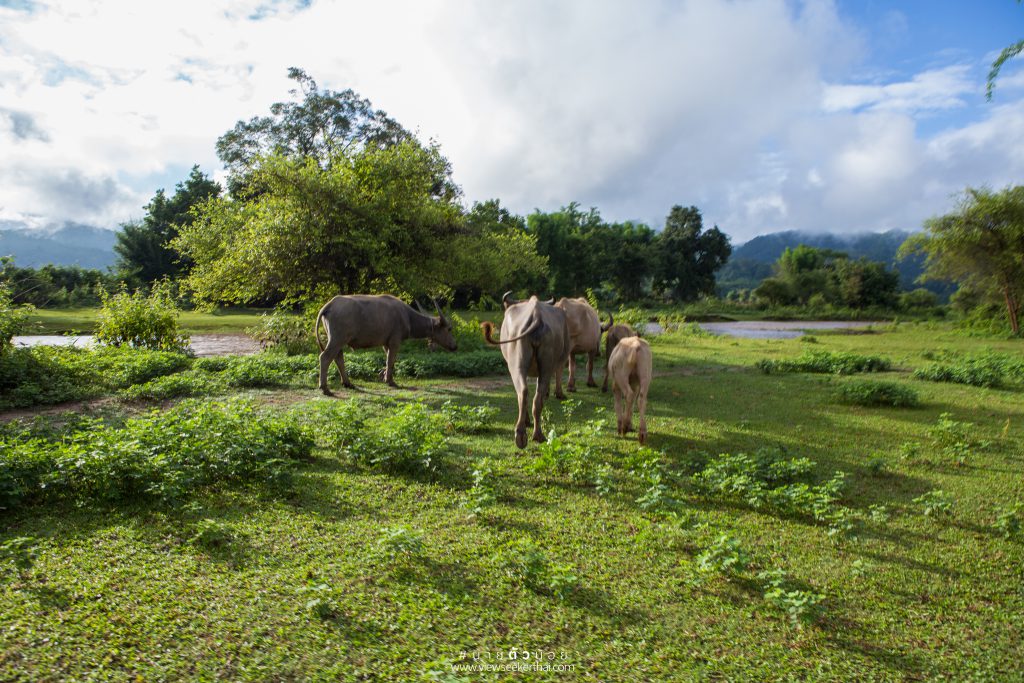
766 114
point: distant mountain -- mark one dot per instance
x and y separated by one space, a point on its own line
751 262
69 244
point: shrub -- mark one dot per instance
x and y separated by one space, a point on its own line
801 606
285 332
875 393
12 318
482 494
973 372
468 419
160 455
140 321
174 386
401 545
462 364
725 556
410 439
561 457
936 503
1007 523
831 362
524 562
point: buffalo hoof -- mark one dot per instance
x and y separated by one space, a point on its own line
348 385
642 436
521 438
327 392
560 396
604 389
392 384
572 388
591 383
538 436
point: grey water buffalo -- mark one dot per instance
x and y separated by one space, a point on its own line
631 366
362 321
535 342
615 334
585 330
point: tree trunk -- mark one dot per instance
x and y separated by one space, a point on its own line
1012 309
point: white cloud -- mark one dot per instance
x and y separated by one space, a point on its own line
742 108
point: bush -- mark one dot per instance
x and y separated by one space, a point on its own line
832 362
973 372
190 383
139 321
12 318
525 563
164 456
875 393
410 439
286 332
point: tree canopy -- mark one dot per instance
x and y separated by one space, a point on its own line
689 255
143 247
805 274
980 245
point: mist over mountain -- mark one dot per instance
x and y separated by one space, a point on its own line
752 261
67 244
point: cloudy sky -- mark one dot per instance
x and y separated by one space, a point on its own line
845 116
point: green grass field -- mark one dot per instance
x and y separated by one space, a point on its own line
319 581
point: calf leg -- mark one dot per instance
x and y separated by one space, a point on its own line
590 369
641 408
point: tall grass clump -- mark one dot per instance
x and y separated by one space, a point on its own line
161 455
829 362
977 372
872 393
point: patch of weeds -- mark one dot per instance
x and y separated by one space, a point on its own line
604 480
1008 523
724 557
936 503
954 439
801 606
190 383
877 464
879 514
859 568
468 419
409 439
482 494
976 372
528 565
563 457
212 535
401 546
871 393
829 362
320 601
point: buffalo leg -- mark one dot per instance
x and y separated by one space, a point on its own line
590 369
331 353
339 360
523 396
572 372
543 387
389 370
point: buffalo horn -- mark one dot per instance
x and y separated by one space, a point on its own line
507 299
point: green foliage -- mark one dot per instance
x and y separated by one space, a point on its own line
877 393
468 419
831 362
179 385
468 364
980 246
143 250
139 321
12 318
935 503
801 606
409 439
527 564
482 493
688 255
285 332
725 556
812 276
977 372
953 439
1008 523
401 545
212 534
564 457
165 456
54 286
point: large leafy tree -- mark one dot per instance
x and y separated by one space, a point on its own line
143 247
980 245
322 125
803 273
689 255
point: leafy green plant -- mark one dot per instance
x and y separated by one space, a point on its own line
525 563
320 601
212 534
604 480
954 439
482 493
562 457
978 372
174 386
801 606
877 464
936 503
140 321
876 393
410 439
12 318
1008 523
286 332
830 362
468 419
726 556
401 545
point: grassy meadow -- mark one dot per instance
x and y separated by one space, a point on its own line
399 534
83 321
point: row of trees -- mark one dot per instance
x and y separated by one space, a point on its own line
329 195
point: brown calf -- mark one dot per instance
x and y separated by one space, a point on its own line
630 366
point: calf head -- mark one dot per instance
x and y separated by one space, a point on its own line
441 331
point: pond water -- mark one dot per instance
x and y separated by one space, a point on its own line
202 344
